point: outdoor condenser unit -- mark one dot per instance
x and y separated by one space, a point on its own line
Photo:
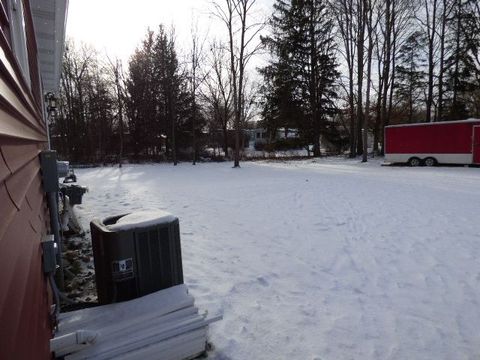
136 258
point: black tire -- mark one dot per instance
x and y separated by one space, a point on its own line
414 162
430 161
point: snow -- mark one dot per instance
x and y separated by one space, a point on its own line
326 259
140 219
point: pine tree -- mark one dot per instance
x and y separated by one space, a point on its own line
156 94
281 104
141 91
411 79
463 75
303 73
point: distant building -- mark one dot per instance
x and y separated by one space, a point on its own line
260 135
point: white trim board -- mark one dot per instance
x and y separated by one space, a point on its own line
467 121
441 158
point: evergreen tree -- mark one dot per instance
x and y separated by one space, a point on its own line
301 78
281 107
411 78
463 75
141 90
156 91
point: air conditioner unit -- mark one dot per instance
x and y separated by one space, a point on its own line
136 254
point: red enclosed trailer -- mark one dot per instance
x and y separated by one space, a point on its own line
447 142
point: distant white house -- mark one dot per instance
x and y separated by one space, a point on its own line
260 135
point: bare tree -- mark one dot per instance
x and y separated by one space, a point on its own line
344 13
196 60
362 17
119 84
396 15
447 7
236 16
217 90
371 28
430 25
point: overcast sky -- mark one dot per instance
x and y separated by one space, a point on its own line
117 27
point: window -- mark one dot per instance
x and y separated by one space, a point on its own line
19 39
4 22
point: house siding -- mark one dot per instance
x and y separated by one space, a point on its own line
24 296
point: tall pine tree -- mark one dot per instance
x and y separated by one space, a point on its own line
157 98
463 75
411 78
302 75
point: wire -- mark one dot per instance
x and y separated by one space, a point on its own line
56 295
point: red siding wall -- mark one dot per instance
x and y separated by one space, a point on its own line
430 139
25 327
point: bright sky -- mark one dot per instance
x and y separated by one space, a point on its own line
117 27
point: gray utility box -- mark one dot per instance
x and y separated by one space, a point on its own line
136 261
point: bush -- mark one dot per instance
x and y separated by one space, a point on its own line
289 144
260 146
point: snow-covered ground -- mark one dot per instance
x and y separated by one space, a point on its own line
327 259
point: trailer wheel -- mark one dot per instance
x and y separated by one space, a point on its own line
414 161
430 161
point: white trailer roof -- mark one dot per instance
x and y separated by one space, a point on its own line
471 120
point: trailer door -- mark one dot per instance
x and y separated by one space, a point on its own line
476 145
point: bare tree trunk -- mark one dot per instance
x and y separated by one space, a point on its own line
386 67
225 140
194 114
457 57
441 70
344 14
351 111
238 56
233 69
360 65
116 69
410 97
194 131
394 59
431 32
378 113
174 145
313 81
196 58
370 28
350 62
